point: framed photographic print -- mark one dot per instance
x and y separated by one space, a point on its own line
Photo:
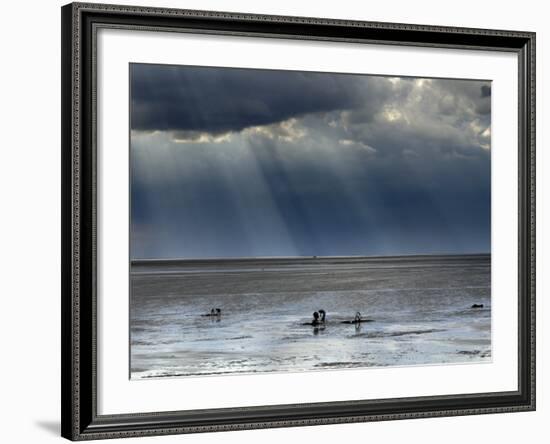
281 221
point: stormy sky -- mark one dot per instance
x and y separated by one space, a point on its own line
241 162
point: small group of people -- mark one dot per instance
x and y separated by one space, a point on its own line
319 318
214 312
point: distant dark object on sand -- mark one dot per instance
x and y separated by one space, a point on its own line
357 320
477 306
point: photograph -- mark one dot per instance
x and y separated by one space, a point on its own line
291 221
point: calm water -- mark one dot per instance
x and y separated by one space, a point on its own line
420 309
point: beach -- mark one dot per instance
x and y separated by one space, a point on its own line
419 308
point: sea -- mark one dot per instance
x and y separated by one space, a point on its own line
419 312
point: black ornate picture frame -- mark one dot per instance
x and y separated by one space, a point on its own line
80 418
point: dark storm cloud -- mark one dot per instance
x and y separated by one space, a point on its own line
176 98
268 163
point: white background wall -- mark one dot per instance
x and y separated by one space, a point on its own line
30 220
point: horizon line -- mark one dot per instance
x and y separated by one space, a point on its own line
249 258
